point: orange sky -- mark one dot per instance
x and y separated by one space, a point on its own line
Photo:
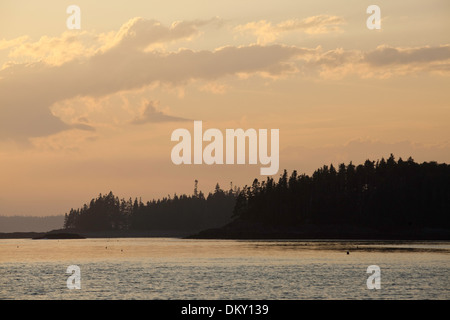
87 111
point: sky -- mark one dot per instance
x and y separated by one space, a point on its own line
91 110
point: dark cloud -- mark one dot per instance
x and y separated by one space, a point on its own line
152 115
387 55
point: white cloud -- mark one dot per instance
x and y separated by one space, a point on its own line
6 44
266 32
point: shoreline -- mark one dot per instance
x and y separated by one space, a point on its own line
245 230
62 234
250 230
221 234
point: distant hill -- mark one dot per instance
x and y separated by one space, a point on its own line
30 224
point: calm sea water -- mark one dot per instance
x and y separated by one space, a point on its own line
166 268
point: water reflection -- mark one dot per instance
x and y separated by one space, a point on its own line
158 268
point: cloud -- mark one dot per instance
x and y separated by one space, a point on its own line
266 32
385 55
137 33
56 50
28 90
6 44
122 61
150 114
383 62
214 88
388 61
140 33
313 25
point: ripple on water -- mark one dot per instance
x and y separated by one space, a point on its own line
323 272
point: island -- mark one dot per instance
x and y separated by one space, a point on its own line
387 199
59 236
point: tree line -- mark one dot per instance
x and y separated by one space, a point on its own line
178 213
386 193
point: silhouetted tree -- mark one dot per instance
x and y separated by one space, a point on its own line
183 212
387 194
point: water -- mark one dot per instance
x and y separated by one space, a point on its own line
163 268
